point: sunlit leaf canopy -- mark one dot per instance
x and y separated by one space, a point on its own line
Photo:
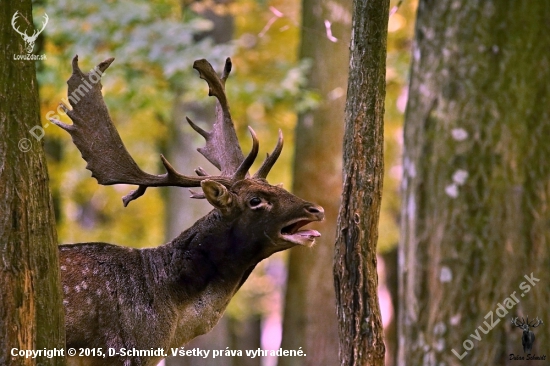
155 44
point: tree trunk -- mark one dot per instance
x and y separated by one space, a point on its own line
31 311
355 276
476 186
245 335
390 330
181 211
310 306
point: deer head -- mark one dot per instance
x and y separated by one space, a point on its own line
179 289
29 40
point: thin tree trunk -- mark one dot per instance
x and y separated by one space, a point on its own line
181 211
245 335
310 306
392 280
476 190
355 276
31 310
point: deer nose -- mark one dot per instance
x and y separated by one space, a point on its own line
316 211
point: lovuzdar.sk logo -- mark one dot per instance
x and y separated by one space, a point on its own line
527 339
29 40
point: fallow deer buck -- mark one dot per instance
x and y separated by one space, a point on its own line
123 298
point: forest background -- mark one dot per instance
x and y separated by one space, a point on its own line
474 177
149 90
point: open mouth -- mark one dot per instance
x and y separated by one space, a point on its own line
293 234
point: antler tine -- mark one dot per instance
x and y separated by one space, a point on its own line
201 172
270 159
96 137
515 322
14 26
201 132
44 23
536 322
222 146
247 163
226 70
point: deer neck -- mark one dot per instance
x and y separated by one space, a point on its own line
206 255
200 271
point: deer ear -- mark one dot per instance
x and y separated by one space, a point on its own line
217 195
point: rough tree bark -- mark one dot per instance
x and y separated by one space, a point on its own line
310 306
31 311
476 189
355 277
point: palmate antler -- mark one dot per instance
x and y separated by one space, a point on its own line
96 137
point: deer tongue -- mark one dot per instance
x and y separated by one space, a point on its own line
303 237
293 233
308 233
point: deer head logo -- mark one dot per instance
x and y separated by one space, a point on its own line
528 337
29 40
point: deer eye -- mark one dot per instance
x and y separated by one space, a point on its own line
255 201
